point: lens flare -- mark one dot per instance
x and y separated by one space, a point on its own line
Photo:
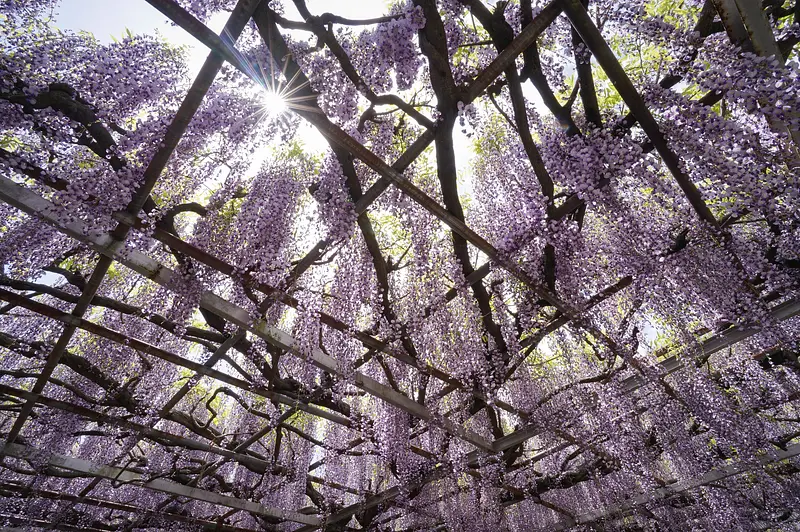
273 103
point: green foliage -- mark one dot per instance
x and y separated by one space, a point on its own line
10 142
681 14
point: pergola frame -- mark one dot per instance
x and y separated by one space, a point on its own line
109 248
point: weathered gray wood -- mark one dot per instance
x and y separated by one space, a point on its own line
191 103
714 475
764 44
732 21
156 435
104 243
167 356
716 343
23 492
121 475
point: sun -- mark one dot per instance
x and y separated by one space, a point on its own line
273 103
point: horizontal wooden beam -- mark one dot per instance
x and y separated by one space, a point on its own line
715 475
35 205
167 356
117 474
24 492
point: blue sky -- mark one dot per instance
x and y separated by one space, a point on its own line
105 18
108 19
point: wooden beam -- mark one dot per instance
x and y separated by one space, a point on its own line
345 141
33 204
191 103
715 475
24 492
717 343
522 42
592 37
167 356
764 44
251 462
215 356
173 488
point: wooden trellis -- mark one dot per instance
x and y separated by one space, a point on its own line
110 248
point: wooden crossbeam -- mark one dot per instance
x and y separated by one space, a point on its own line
336 135
594 40
34 205
256 464
715 475
215 356
118 474
25 493
191 103
764 44
711 345
708 347
167 356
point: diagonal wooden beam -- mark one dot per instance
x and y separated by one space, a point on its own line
764 44
236 23
165 486
41 524
80 308
506 58
33 204
586 28
256 464
732 21
25 492
167 356
714 344
717 343
269 31
215 356
715 475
